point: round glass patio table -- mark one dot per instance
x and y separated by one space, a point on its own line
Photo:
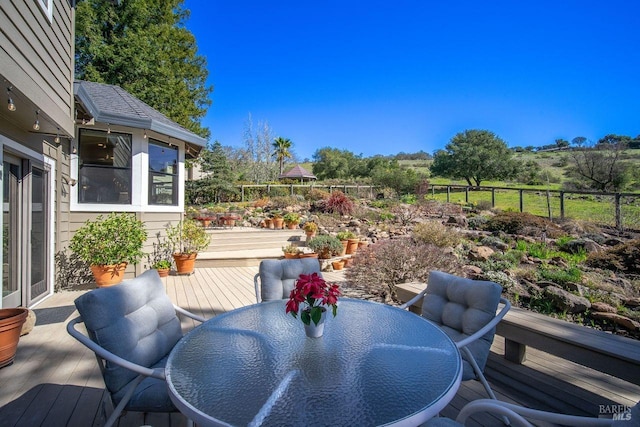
374 365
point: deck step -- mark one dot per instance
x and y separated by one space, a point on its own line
246 246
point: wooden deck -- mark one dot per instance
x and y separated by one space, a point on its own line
55 381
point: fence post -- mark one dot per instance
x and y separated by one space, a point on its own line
618 212
466 195
448 193
562 204
242 192
291 189
493 197
269 190
521 200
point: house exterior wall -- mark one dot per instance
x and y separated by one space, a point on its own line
38 57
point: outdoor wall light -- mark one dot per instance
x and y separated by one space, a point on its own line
36 124
10 105
57 138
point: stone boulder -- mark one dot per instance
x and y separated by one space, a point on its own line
619 320
480 253
566 301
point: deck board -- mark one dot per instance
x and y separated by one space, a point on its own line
55 381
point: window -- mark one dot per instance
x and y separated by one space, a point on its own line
163 174
47 8
104 167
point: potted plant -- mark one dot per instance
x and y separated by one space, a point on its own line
292 219
338 264
290 251
310 228
344 237
325 246
161 256
277 219
187 238
109 244
11 321
310 298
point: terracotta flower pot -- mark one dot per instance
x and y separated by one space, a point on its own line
337 265
278 223
163 272
309 255
185 263
11 321
310 235
352 246
292 225
108 275
288 255
268 223
344 247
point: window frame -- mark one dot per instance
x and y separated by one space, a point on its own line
175 201
47 8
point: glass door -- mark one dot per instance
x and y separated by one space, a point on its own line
25 232
11 177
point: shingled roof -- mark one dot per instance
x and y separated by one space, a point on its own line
114 105
298 172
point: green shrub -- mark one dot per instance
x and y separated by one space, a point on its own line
501 278
477 222
316 194
325 245
435 233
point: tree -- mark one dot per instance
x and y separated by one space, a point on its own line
219 178
258 151
599 167
475 155
281 148
331 163
143 47
579 141
561 143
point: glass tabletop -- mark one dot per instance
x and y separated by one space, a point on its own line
374 365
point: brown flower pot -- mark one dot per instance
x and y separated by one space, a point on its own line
11 321
288 255
310 235
268 223
278 223
344 247
337 265
108 275
292 225
352 246
311 255
163 272
185 263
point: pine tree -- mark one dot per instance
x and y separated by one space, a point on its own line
144 47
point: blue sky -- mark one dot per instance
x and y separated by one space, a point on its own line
381 77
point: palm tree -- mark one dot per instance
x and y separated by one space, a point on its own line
281 146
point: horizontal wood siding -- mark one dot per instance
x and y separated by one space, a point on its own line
39 56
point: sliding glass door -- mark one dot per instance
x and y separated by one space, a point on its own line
25 221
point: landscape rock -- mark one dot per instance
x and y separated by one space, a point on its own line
472 271
566 301
602 307
625 322
29 323
480 253
632 302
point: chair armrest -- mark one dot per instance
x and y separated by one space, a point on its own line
189 314
516 413
486 328
413 300
107 355
256 284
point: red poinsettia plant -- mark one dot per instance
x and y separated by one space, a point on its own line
314 294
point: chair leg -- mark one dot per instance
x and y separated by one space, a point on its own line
125 399
476 369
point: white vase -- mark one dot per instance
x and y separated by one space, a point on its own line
315 331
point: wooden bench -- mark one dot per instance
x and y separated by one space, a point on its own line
604 352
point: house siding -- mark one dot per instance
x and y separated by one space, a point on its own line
37 57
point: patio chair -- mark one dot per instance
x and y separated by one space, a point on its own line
519 416
132 327
276 278
465 310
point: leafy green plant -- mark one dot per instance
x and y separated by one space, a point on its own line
112 240
310 226
187 237
561 276
345 235
292 218
160 257
325 244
